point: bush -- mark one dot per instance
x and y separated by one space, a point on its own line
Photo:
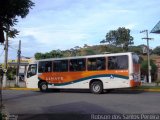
11 72
157 82
144 69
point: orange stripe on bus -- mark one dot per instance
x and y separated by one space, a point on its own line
62 77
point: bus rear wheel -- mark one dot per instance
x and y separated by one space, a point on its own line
96 87
43 87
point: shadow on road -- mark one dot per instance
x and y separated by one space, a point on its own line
115 91
38 93
21 96
54 117
126 91
69 111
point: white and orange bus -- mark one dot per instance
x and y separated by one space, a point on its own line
94 72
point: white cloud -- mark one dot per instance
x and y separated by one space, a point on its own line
130 26
63 24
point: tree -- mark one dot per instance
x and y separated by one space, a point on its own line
157 50
38 56
11 73
136 49
144 68
52 54
56 53
120 38
9 11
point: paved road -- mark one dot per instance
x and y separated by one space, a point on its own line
117 102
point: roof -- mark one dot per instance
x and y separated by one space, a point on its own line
156 28
15 64
88 56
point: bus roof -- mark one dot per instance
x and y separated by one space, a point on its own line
87 56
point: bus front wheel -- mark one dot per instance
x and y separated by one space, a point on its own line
43 87
96 87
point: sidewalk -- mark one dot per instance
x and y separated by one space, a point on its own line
11 83
150 84
21 86
148 87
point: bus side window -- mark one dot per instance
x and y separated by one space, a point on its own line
48 66
60 65
77 65
96 63
118 62
45 66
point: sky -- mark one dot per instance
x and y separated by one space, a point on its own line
64 24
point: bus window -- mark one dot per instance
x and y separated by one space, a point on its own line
96 63
45 66
32 70
77 65
118 62
60 65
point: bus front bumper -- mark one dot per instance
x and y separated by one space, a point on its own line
134 83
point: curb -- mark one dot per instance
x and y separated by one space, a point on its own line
148 90
34 89
145 90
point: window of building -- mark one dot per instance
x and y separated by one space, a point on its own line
60 65
77 65
96 63
118 62
45 66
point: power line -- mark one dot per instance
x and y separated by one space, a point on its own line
2 53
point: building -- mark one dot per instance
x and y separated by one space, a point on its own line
24 61
156 28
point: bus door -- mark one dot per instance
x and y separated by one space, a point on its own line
31 77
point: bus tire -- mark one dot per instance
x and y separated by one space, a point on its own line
96 87
43 87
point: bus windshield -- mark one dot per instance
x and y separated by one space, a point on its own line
32 70
135 58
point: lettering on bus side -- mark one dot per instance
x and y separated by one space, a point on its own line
59 78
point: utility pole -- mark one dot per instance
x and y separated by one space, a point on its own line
5 59
18 63
148 57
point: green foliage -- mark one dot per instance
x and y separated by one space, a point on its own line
11 72
157 82
144 68
119 38
52 54
136 49
12 33
55 54
157 50
38 56
86 50
9 11
3 116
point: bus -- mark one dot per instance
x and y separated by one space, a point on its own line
94 72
